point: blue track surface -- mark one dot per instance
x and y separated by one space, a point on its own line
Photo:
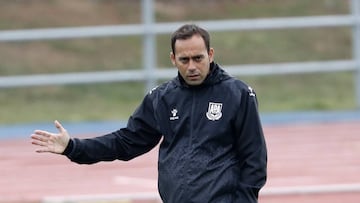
101 127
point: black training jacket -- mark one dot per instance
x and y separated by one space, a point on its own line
212 144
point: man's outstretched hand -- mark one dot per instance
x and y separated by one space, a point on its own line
51 142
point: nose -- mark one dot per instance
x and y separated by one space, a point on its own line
191 66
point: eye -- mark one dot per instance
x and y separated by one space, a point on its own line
198 58
184 60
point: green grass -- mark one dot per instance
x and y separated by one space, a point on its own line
70 103
70 55
304 92
318 91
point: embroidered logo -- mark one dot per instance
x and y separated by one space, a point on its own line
174 115
251 92
214 111
151 91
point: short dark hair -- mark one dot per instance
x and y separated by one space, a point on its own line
187 31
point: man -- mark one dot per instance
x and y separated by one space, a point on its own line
212 145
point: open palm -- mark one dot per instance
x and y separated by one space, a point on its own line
51 142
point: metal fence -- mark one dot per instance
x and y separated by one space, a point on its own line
149 29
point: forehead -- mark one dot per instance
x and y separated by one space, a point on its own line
190 46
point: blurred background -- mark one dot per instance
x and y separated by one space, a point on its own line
325 90
93 61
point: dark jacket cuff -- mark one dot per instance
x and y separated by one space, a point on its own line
68 148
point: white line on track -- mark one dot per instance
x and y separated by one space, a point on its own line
267 191
311 189
101 198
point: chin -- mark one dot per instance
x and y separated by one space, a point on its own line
194 83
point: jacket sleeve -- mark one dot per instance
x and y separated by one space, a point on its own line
251 147
139 137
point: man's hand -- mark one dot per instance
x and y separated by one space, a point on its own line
51 142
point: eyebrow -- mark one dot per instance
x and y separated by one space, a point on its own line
192 57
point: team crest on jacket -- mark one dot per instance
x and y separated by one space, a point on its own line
214 111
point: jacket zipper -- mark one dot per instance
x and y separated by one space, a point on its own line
190 143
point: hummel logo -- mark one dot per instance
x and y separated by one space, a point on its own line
251 92
151 91
174 115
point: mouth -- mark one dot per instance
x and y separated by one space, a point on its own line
193 77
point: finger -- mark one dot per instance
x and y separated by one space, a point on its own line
39 137
42 150
39 143
42 133
59 126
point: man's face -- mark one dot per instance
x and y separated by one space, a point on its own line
192 59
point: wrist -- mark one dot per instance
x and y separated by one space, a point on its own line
69 147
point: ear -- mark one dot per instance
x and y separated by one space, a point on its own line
211 55
172 58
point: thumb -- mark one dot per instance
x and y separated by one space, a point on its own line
59 126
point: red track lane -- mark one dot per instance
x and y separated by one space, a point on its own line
300 155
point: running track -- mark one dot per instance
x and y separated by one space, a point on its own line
308 163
